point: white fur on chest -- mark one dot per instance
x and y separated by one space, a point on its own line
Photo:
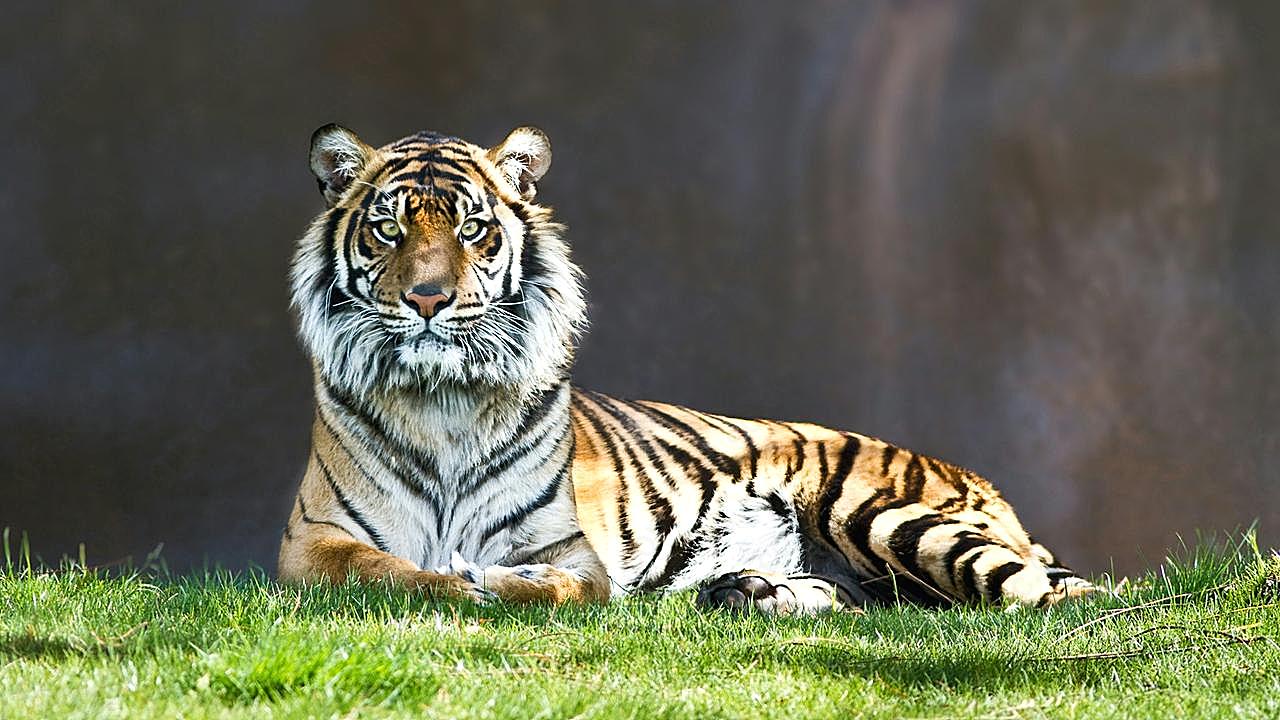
458 430
453 510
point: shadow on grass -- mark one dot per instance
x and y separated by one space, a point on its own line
973 671
28 646
353 601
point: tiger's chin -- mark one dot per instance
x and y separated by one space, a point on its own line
430 354
427 361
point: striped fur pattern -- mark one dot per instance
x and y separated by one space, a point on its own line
671 498
451 454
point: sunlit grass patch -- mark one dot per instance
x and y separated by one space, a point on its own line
1197 636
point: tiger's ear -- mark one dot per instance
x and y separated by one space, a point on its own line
337 157
523 158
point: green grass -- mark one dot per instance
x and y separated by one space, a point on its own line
1200 636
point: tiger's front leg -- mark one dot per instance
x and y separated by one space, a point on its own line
333 557
567 571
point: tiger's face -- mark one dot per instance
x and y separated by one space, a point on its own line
435 253
433 263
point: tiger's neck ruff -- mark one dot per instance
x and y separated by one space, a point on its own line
452 386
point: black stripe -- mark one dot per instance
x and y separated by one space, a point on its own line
800 448
462 164
753 453
904 543
636 433
831 492
858 525
430 173
996 578
352 271
781 508
677 561
693 466
833 486
511 455
1057 575
361 239
312 521
428 137
530 437
657 552
624 523
394 167
532 265
339 441
495 235
528 555
350 510
963 542
949 476
948 473
950 503
968 580
682 549
890 452
325 279
913 480
391 449
658 505
799 436
702 473
495 246
722 462
542 500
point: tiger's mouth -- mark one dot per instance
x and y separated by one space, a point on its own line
444 336
428 336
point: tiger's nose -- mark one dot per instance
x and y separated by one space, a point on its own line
426 299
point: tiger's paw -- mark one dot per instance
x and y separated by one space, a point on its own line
438 585
536 583
463 568
774 594
1077 588
1027 588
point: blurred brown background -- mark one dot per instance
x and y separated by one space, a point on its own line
1036 239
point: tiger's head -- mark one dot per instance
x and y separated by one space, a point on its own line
433 266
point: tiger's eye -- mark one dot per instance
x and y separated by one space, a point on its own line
389 228
469 229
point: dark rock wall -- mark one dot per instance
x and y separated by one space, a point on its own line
1038 240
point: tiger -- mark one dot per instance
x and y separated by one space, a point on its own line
451 455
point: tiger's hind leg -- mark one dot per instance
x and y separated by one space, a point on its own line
968 556
779 594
